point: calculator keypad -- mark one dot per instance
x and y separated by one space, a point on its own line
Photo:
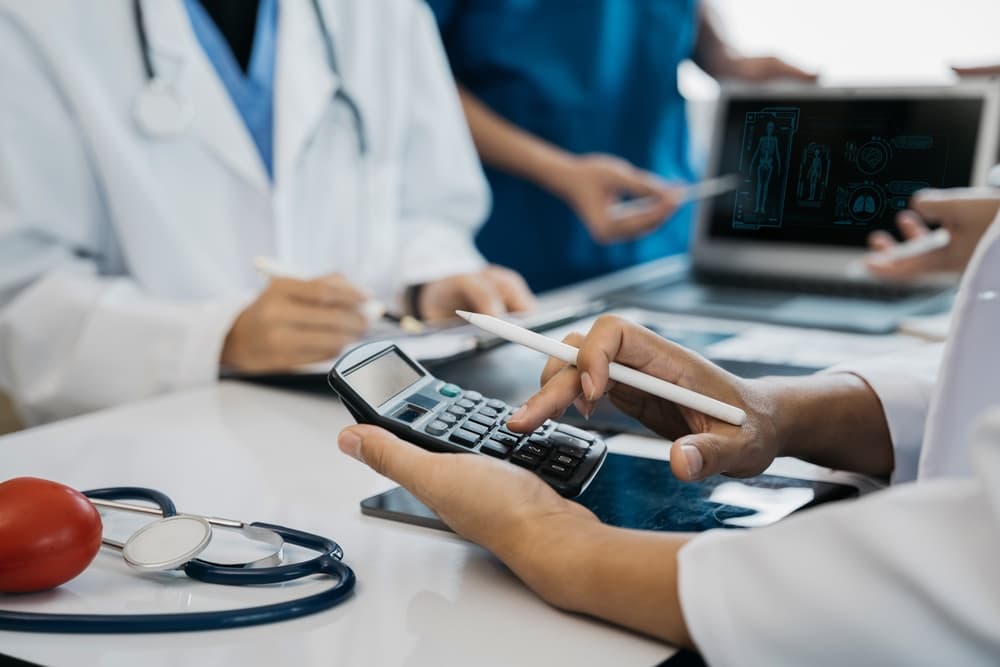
472 421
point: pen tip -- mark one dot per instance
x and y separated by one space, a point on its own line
464 314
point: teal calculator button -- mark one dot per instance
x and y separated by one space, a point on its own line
450 390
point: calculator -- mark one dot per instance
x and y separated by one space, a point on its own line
380 385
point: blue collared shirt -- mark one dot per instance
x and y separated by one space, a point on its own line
252 92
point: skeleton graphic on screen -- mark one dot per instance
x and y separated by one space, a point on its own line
815 173
768 162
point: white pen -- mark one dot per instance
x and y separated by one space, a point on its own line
628 376
706 189
372 310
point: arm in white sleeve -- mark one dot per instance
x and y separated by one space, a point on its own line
904 385
445 197
906 576
76 333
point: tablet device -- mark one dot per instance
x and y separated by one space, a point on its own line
642 493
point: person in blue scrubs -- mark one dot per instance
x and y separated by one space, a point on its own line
574 106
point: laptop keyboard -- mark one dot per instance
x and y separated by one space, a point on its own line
871 292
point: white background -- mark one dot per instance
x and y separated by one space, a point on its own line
853 41
867 40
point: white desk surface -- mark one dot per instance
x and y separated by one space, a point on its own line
423 597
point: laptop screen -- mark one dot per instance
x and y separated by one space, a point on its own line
828 172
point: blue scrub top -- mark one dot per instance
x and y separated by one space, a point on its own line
252 92
589 76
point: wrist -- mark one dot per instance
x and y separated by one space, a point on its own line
546 552
832 419
411 300
624 576
722 62
554 170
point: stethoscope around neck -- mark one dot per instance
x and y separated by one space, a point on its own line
161 113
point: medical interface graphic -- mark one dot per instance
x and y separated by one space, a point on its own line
809 167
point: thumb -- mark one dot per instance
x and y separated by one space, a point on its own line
384 453
702 455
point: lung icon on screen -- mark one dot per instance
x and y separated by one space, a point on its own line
765 156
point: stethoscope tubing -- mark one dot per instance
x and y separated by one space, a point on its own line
328 48
186 622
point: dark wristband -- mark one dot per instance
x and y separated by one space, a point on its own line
411 299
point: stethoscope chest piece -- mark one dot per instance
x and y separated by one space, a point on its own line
168 543
159 112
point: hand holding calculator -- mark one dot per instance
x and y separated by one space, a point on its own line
382 386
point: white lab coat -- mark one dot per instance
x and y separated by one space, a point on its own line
907 576
124 259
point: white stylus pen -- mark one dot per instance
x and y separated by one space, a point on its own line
712 187
921 245
628 376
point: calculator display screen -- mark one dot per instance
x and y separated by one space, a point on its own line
382 378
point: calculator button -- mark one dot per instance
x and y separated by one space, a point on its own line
482 419
457 410
475 428
556 470
564 459
544 428
436 427
571 450
505 439
525 460
537 450
450 390
473 396
489 412
513 434
494 448
465 438
539 440
563 439
447 418
496 404
466 403
575 432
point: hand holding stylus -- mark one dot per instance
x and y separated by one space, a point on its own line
617 372
703 445
963 214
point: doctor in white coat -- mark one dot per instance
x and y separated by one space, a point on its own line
135 193
905 576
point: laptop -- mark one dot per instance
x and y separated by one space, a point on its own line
819 169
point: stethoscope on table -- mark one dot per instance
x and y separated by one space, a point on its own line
160 112
174 541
